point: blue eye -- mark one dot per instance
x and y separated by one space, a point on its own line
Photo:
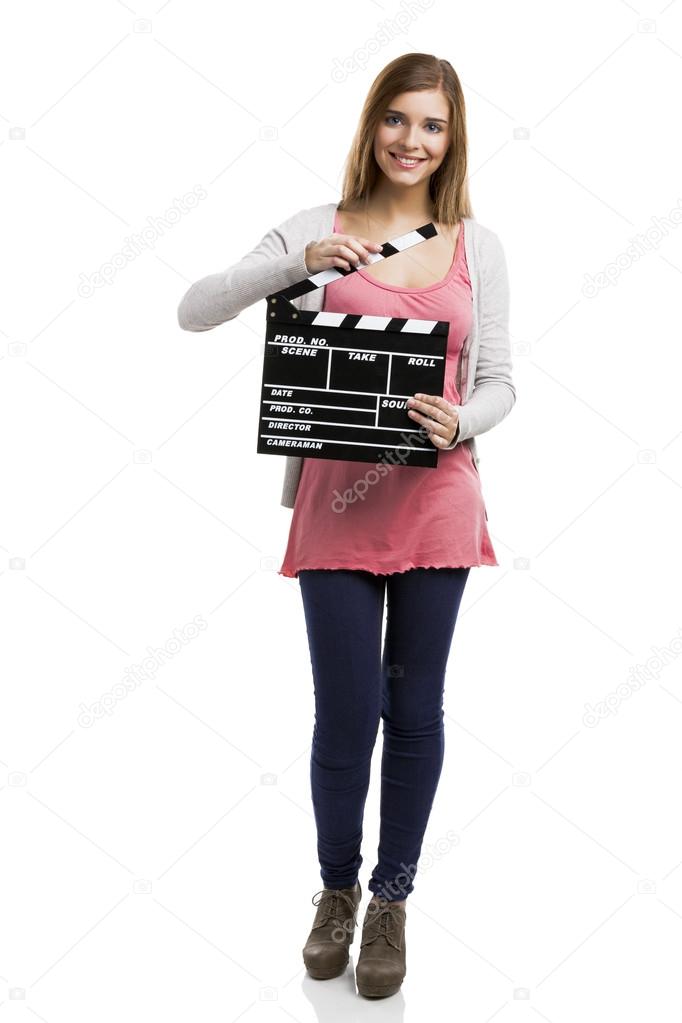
431 123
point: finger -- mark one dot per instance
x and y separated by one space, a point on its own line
433 409
340 255
363 246
338 261
375 246
352 256
428 419
353 250
431 424
432 399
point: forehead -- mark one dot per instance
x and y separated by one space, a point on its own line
421 103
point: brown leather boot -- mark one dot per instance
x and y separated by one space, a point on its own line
325 953
381 965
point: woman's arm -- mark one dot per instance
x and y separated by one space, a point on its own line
267 268
494 393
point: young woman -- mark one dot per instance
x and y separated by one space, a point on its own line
410 537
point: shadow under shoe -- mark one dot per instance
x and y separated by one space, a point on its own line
381 966
325 953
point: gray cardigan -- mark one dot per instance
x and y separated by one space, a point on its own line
484 372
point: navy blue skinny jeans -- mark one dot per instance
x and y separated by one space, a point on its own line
356 684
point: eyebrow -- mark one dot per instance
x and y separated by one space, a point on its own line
390 111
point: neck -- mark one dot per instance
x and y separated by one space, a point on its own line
392 207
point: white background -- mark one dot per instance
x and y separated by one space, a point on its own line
158 863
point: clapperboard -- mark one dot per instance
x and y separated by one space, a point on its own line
335 385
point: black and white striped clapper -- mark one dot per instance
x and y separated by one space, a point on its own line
335 385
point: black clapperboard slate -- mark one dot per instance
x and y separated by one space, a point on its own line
335 385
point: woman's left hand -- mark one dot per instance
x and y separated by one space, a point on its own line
439 418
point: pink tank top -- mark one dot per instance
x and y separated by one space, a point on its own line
389 518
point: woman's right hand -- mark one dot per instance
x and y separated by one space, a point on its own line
341 250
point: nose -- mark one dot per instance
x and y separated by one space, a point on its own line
408 142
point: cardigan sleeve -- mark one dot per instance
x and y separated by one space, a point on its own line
494 394
269 267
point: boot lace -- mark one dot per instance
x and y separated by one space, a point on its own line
386 922
330 900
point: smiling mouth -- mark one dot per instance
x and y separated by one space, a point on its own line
406 161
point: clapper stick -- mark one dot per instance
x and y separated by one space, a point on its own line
335 384
324 277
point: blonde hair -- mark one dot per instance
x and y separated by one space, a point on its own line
448 185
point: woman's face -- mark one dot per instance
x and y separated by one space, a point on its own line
416 125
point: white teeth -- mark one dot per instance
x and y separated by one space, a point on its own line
406 162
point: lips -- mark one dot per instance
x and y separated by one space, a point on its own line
409 165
